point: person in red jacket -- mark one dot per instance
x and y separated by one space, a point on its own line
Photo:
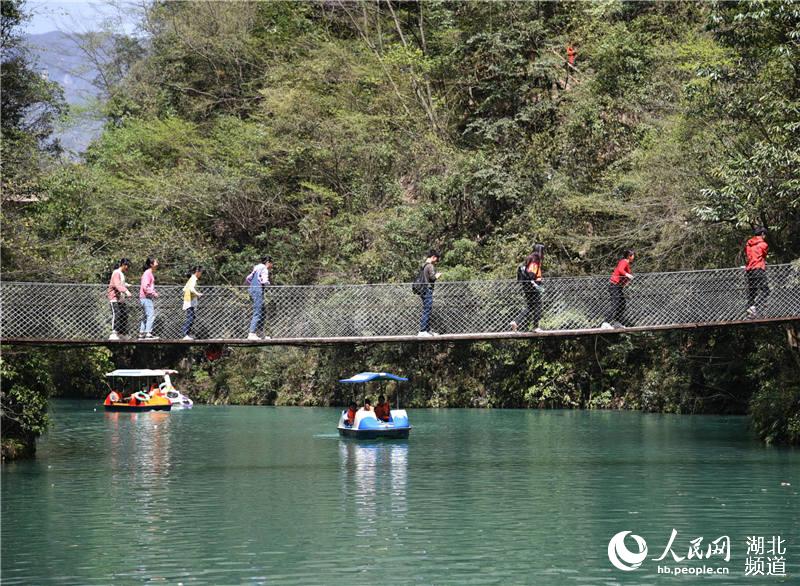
571 55
350 418
756 270
616 287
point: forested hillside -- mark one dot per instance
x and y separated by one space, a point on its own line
346 138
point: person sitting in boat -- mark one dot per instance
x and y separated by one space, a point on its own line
113 397
351 414
383 410
367 405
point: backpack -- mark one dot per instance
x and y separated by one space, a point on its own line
522 273
419 285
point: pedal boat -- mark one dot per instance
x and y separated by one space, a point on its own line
366 425
148 398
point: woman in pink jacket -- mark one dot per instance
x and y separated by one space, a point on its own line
147 293
117 292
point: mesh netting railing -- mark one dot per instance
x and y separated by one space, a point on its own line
80 312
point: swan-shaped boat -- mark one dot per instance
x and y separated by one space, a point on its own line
143 396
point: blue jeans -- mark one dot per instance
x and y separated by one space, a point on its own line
146 325
187 325
257 294
427 309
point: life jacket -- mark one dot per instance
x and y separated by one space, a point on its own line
756 252
383 411
351 416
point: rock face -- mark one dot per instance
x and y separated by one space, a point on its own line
61 60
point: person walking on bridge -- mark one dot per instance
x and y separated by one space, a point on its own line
190 296
529 274
147 295
257 280
756 270
117 292
425 281
620 279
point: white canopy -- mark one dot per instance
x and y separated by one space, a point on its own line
140 372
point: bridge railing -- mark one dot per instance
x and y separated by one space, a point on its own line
80 312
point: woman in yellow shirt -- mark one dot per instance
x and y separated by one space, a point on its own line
190 295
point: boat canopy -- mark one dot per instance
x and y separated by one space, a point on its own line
365 377
140 372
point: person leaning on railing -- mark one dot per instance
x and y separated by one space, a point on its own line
117 292
616 287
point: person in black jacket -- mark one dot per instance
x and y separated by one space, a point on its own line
429 276
530 275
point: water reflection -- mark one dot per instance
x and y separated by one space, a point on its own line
374 478
139 449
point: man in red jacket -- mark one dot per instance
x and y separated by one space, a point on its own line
756 270
616 287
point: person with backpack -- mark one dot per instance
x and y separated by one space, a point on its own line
756 270
147 295
257 280
616 287
117 292
190 296
423 286
529 274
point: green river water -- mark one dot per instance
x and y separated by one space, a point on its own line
266 495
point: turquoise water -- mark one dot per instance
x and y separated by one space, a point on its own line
264 495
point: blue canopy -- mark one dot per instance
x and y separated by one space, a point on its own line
365 377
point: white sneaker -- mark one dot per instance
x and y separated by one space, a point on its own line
432 333
266 338
150 337
513 325
253 336
751 311
539 330
424 334
187 338
113 336
606 326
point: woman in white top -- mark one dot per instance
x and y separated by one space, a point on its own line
258 279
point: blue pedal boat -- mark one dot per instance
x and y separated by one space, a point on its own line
365 424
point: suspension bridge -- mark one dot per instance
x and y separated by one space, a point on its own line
79 314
